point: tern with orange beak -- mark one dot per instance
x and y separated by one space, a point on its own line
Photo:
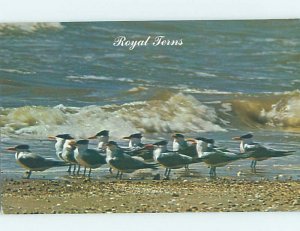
256 151
103 138
135 140
88 158
68 155
215 157
137 148
60 140
59 145
118 159
171 159
182 146
31 161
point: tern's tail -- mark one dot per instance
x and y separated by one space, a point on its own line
152 166
283 153
197 160
243 156
57 163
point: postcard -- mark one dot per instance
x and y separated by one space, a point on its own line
150 116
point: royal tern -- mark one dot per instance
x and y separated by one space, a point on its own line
68 155
214 157
60 141
182 146
103 138
258 152
32 161
137 148
135 140
118 159
88 158
171 159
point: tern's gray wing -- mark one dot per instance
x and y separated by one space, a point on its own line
129 163
146 154
173 159
39 163
220 149
189 151
259 151
220 158
93 157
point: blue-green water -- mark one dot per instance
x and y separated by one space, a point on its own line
228 78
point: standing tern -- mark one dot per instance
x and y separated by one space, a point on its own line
214 157
182 146
258 152
32 161
103 138
135 140
171 159
137 148
60 141
68 155
88 158
118 159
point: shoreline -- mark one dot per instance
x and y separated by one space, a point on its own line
127 196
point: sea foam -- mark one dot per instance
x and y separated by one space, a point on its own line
277 110
177 112
28 27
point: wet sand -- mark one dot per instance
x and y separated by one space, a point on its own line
94 196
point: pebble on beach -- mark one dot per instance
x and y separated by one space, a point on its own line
81 196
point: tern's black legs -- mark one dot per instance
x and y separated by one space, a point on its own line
119 175
186 167
84 171
74 169
253 166
212 171
167 173
78 170
28 174
90 173
69 169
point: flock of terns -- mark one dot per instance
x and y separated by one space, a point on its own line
185 151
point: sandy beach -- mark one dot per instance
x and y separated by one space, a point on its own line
94 196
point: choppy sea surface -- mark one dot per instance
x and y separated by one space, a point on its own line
228 78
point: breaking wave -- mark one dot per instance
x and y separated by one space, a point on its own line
279 111
164 114
28 27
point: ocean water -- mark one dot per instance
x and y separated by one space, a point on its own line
228 78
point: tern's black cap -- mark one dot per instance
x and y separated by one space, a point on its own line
82 142
178 135
163 142
103 133
65 136
136 135
22 146
206 140
247 136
